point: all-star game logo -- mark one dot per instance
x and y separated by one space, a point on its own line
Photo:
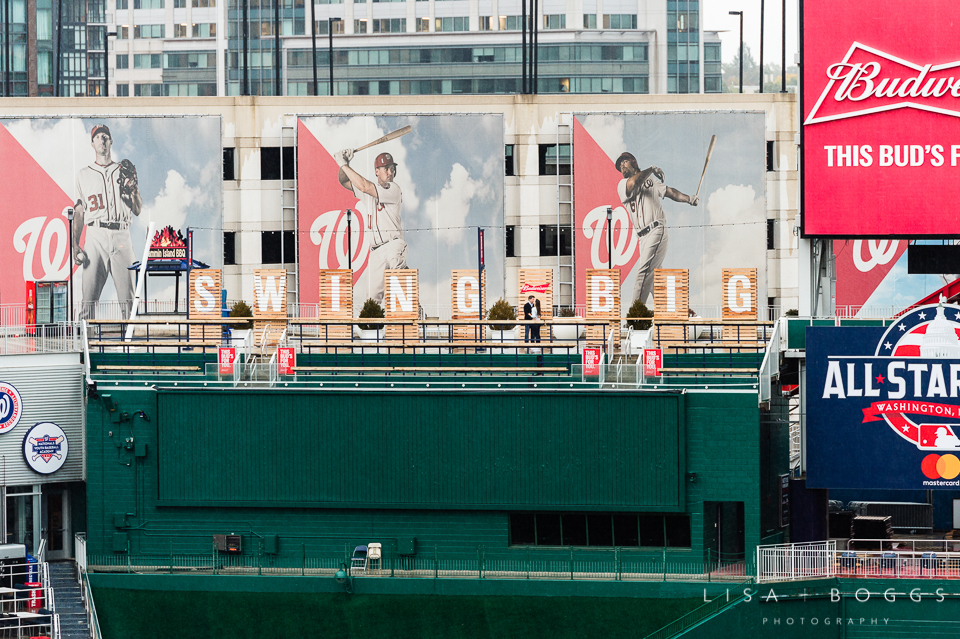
45 448
11 407
914 375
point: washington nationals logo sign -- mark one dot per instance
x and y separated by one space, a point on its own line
45 448
11 407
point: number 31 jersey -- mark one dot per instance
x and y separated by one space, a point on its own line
99 191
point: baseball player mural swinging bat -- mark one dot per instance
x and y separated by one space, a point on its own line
713 141
389 136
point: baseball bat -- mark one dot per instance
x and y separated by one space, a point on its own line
713 141
389 136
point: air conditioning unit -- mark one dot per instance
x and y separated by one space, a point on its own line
228 544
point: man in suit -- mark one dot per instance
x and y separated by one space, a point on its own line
531 311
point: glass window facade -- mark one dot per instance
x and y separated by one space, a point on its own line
683 46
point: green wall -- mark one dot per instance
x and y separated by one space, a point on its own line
343 468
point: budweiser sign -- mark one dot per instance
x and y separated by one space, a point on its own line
872 81
535 288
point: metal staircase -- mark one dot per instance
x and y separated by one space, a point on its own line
69 601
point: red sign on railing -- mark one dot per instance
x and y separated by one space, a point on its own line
652 362
286 360
226 356
591 361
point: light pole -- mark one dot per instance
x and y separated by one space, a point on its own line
313 41
70 213
740 13
761 46
610 238
106 36
783 47
330 22
349 240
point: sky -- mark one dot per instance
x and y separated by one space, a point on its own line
716 18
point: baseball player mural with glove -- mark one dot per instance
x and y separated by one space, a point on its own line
641 193
107 197
382 203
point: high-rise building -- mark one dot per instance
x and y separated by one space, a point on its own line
387 47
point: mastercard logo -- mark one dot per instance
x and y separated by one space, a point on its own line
940 466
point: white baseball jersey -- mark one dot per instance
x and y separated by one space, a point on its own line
99 191
645 206
383 212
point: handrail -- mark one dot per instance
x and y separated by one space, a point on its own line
698 615
93 622
86 350
770 366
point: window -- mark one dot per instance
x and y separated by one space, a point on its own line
146 61
423 25
619 21
123 61
600 529
508 160
122 4
144 31
390 25
145 90
198 60
511 230
229 163
549 242
44 24
208 3
553 164
181 31
511 23
229 247
323 27
771 235
555 21
123 32
589 21
270 247
771 156
458 23
148 4
270 163
205 30
123 90
486 23
179 4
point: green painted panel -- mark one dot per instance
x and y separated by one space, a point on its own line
500 450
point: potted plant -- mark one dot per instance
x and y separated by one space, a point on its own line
567 332
371 332
641 327
503 311
239 332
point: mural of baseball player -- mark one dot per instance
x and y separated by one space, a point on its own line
641 193
107 197
382 202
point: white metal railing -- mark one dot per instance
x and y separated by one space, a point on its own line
63 337
787 562
770 366
80 550
42 550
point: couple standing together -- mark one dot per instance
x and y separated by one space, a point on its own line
531 311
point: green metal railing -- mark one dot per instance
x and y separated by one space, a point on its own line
436 561
699 615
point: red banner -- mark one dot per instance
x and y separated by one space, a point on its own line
652 362
226 356
591 361
286 360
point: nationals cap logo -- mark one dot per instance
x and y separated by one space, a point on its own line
45 448
11 407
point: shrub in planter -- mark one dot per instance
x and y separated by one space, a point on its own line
567 311
240 309
371 309
639 309
503 311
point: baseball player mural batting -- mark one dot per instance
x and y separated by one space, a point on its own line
382 201
641 193
107 198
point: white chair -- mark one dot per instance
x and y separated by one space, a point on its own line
374 555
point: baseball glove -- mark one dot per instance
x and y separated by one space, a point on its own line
127 179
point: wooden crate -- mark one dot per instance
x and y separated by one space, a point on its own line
595 334
401 288
736 283
467 333
336 301
671 301
211 280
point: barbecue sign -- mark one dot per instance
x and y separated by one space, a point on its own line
884 403
45 448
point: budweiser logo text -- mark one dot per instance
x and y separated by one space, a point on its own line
860 81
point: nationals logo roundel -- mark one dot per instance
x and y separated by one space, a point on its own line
45 448
11 407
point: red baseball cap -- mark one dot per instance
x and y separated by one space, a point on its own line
384 159
98 128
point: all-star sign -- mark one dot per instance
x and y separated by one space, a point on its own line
881 118
883 403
